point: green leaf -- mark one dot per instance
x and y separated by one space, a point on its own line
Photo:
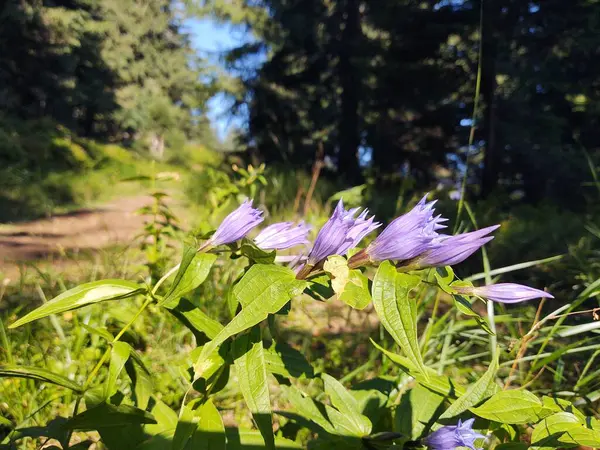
252 379
118 357
195 319
106 415
199 427
238 439
553 405
267 283
444 276
347 405
512 446
34 373
438 383
263 290
284 360
193 270
166 420
256 254
563 430
464 306
482 389
103 332
186 425
512 407
417 412
141 380
306 408
319 288
210 431
398 312
83 295
5 422
351 286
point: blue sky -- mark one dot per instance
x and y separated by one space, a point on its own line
211 39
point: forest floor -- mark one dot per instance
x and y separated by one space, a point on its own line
82 230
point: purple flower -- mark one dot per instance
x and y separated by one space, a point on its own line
282 235
452 249
236 225
409 235
453 436
342 232
504 292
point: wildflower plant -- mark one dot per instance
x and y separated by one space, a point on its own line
409 255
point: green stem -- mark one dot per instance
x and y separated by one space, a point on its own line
117 337
164 278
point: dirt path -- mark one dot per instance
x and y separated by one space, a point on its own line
85 229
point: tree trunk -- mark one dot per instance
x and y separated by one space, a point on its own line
489 176
349 132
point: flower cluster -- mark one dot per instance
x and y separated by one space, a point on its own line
412 241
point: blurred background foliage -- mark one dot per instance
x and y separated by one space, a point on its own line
377 100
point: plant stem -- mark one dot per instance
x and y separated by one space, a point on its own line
164 278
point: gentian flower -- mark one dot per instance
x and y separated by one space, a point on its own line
236 225
340 233
407 236
452 249
504 292
282 235
453 436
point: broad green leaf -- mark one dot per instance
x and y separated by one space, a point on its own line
482 389
118 357
252 380
195 319
319 287
337 268
347 405
200 427
262 291
351 286
306 407
83 295
266 282
238 439
193 270
186 425
512 446
444 276
512 407
342 424
251 251
5 422
464 306
356 292
284 360
106 415
553 405
397 311
563 430
371 402
210 432
212 365
438 383
166 420
417 411
35 373
141 380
